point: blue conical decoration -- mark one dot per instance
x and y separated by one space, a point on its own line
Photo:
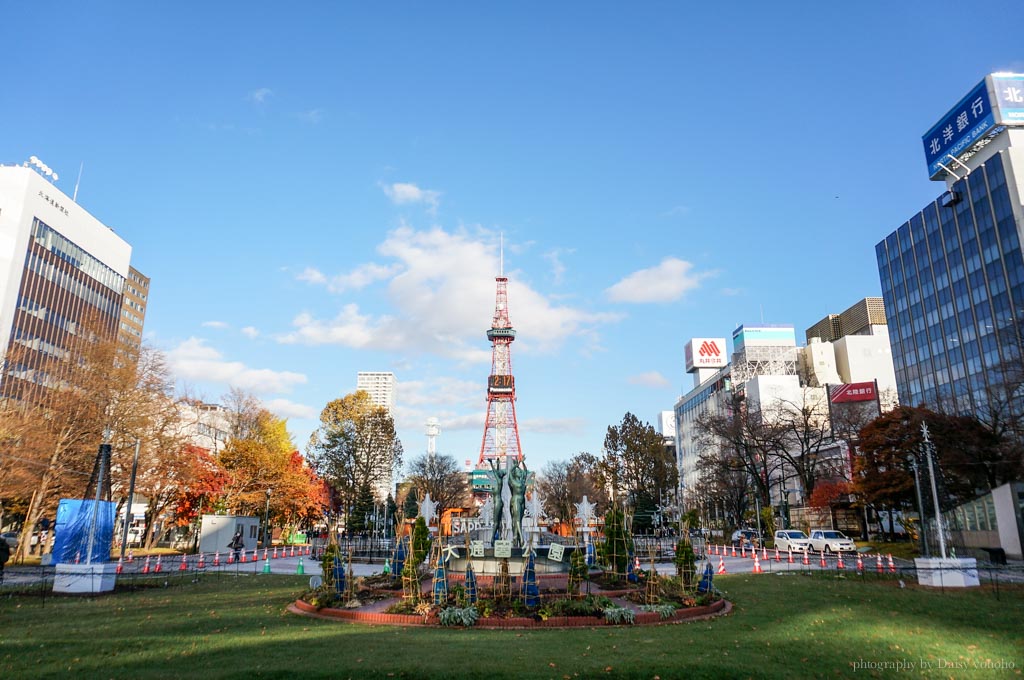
531 595
440 583
591 555
705 584
399 561
471 595
631 569
339 575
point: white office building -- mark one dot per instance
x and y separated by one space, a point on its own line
381 387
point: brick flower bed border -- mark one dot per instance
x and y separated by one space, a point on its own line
718 608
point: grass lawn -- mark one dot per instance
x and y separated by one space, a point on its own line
791 626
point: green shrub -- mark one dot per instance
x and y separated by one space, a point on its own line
614 552
664 610
420 541
617 615
458 616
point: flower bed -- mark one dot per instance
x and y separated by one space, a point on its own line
719 607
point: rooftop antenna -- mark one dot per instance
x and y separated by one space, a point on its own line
501 259
80 168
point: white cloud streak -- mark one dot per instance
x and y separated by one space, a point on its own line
194 360
215 324
441 288
250 332
260 95
402 193
667 282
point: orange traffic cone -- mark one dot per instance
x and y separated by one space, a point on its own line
721 565
145 566
231 557
202 561
293 551
878 563
309 551
131 556
184 565
254 558
790 558
823 564
757 565
839 562
860 564
892 565
778 558
157 569
743 551
764 553
216 558
734 551
266 554
120 566
275 552
78 557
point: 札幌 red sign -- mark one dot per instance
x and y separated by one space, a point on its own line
864 391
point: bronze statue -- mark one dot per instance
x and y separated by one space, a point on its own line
517 478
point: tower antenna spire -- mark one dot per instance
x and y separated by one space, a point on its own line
501 430
501 259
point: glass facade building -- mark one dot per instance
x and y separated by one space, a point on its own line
952 280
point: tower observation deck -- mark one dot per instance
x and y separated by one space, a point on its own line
501 431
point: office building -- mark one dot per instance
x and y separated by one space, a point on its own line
60 268
133 308
380 386
952 275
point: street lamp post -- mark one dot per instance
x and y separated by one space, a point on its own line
266 522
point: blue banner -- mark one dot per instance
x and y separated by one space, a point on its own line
959 129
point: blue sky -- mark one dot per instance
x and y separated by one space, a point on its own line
319 189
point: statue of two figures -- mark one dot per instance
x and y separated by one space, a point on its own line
508 496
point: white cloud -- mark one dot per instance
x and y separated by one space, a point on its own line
666 282
260 95
442 293
677 211
311 275
401 193
215 324
732 292
289 409
557 267
313 116
193 360
250 332
649 379
357 279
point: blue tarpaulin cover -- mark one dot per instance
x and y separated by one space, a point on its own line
71 534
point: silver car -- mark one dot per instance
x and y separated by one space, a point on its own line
792 539
831 540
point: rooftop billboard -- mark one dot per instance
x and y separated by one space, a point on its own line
706 353
996 101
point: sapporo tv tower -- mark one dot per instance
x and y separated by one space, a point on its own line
501 431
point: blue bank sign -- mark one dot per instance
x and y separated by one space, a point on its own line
964 125
997 100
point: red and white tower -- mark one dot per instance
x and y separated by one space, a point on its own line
501 431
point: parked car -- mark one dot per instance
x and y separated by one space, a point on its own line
792 539
11 537
831 540
742 537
